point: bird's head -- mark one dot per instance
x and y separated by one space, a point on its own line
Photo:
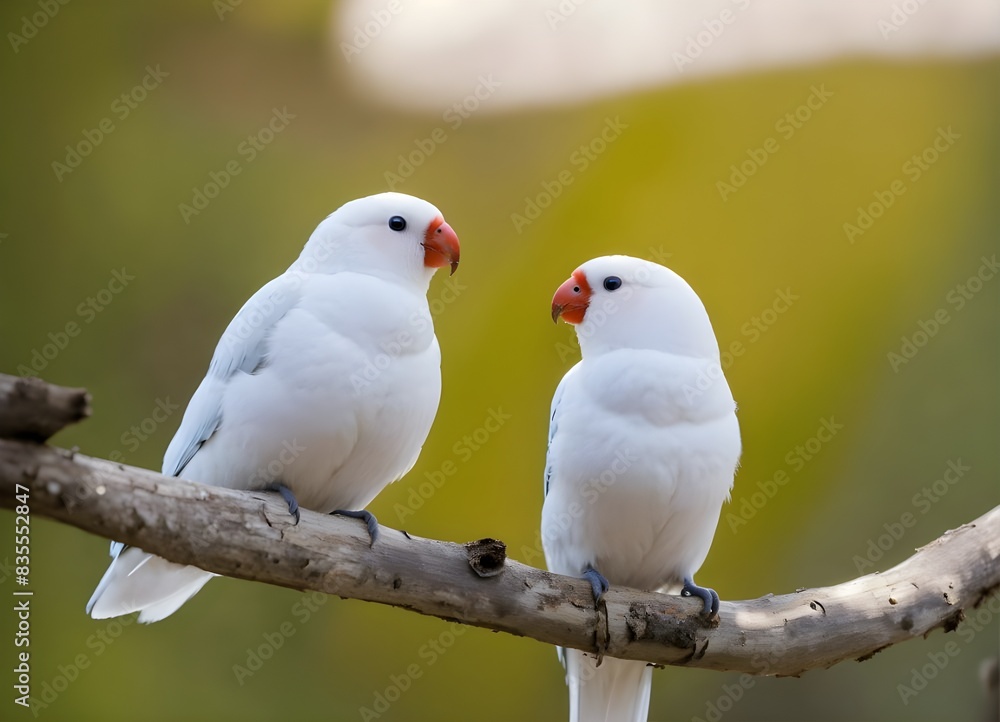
389 234
623 302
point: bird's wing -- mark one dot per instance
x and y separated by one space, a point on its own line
553 428
554 425
242 348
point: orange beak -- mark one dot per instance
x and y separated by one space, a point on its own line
441 246
571 299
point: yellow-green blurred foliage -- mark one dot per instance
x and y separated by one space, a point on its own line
652 193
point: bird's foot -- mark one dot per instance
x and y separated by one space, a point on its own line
598 583
288 496
708 596
369 518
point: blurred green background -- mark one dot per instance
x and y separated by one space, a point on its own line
652 193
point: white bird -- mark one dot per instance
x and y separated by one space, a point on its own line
323 387
643 446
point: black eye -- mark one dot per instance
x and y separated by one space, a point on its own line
612 283
397 223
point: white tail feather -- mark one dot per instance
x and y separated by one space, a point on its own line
617 691
140 582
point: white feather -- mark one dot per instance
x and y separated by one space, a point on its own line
140 582
643 446
327 380
617 691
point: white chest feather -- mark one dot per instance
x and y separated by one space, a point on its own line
639 467
342 402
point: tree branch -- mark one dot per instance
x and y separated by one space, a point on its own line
250 535
34 410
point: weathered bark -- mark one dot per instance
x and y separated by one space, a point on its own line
250 535
34 410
